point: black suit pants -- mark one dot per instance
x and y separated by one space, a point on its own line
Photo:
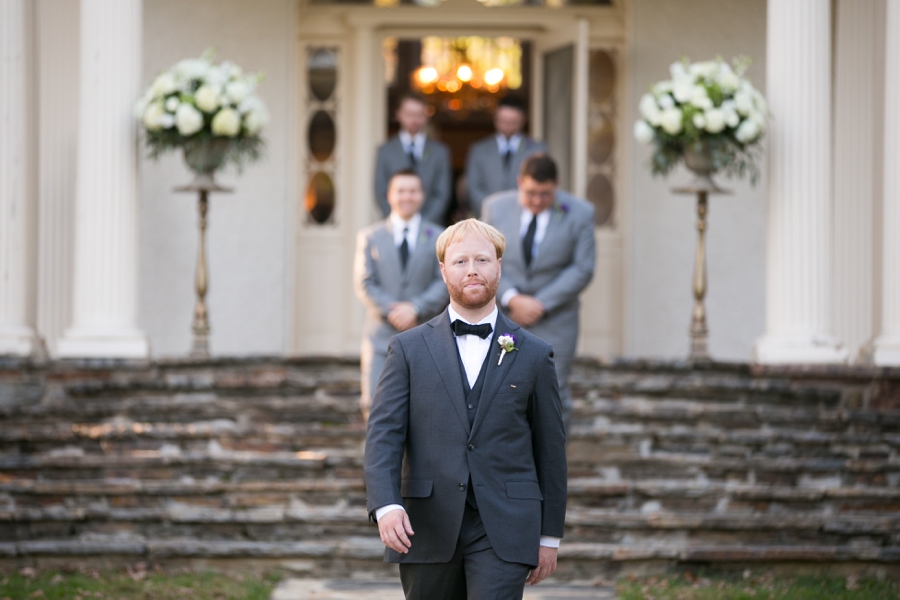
474 573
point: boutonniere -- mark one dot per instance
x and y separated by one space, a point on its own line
561 208
507 342
425 234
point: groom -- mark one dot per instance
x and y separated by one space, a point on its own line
465 451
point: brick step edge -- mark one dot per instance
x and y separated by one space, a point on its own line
372 549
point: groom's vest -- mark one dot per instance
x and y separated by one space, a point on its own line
473 395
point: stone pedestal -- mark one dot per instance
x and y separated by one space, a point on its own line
798 284
105 283
18 198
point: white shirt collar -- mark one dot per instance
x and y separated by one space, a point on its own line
418 140
398 225
512 143
491 318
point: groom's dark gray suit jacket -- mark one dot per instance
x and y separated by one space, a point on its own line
421 452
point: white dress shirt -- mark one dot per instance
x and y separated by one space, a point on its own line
412 227
543 219
505 145
472 350
417 141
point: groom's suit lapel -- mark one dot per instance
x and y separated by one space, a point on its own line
496 372
442 345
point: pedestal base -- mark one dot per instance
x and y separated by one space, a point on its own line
784 349
19 341
96 343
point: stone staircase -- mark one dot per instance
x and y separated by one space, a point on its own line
261 460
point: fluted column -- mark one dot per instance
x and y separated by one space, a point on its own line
854 173
886 347
798 289
17 179
105 283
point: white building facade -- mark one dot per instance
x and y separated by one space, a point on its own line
97 252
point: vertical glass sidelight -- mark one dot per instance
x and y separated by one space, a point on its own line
602 136
321 103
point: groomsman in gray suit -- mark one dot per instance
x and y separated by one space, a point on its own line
549 262
412 149
493 162
465 460
396 276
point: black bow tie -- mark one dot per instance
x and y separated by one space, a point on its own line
463 328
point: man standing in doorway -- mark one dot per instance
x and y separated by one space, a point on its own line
550 262
412 149
465 451
493 162
396 276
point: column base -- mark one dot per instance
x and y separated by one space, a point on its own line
88 343
19 341
798 349
883 351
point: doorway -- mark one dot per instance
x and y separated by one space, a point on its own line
452 75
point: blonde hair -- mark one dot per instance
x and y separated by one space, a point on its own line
456 232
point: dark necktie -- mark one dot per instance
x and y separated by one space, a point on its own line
404 249
413 163
528 240
463 328
507 157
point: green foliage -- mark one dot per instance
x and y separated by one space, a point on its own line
764 586
87 584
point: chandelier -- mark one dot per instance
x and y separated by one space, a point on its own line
464 68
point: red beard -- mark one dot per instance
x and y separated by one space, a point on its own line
473 299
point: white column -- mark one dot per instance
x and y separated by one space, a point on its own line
105 284
854 173
886 347
18 197
57 30
798 286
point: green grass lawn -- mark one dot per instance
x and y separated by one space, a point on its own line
134 584
763 586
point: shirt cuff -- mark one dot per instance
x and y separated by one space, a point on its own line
507 296
380 512
549 542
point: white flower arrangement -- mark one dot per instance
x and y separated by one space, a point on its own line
197 102
706 106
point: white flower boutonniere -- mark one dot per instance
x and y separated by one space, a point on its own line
507 341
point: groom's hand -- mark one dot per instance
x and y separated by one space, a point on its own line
403 316
395 530
546 566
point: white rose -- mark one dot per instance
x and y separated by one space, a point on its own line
706 69
682 91
188 119
715 120
151 116
747 132
251 103
166 120
232 70
192 68
237 91
164 85
678 72
700 98
743 103
670 121
218 75
207 98
729 81
172 104
649 109
255 121
643 132
731 117
227 122
665 101
699 121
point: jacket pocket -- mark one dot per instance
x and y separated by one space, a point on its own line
529 490
416 488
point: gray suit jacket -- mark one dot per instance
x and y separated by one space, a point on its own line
380 281
433 168
421 451
485 174
563 267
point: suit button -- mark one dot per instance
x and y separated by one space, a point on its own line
462 487
471 406
471 447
